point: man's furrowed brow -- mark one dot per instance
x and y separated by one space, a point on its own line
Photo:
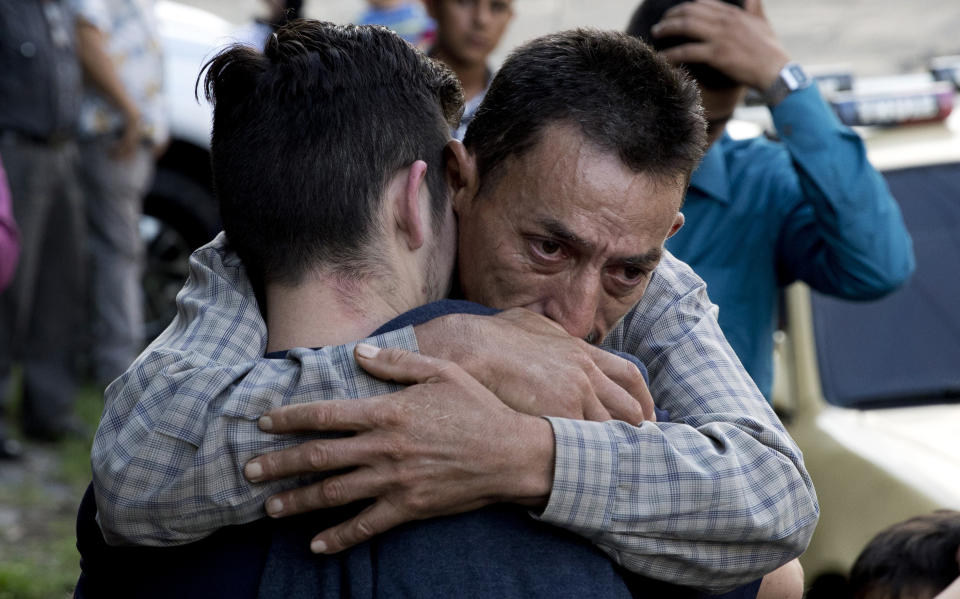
560 232
646 261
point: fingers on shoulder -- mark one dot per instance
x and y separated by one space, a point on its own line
401 365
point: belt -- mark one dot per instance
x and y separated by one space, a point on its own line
54 140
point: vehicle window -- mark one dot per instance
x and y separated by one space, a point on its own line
904 348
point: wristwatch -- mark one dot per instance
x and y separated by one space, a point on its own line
791 78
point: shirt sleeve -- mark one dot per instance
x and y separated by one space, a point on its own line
94 12
714 499
845 236
180 424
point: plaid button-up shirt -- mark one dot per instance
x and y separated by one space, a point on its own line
715 498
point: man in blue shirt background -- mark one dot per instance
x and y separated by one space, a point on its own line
762 214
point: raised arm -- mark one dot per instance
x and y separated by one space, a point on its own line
843 233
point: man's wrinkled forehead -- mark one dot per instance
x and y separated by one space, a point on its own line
507 175
566 178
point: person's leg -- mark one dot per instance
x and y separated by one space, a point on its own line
114 194
50 341
26 164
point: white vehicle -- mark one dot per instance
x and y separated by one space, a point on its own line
180 213
871 390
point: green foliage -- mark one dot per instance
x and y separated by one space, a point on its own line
44 570
41 561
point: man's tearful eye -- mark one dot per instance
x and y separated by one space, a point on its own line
547 249
629 276
632 273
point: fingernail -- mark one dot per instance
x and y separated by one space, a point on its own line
274 506
265 423
253 471
318 546
365 350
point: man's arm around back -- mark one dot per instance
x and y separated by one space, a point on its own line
204 378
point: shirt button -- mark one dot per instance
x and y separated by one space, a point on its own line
28 50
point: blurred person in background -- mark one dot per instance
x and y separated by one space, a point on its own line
762 214
406 18
468 31
9 234
122 128
918 558
41 311
278 12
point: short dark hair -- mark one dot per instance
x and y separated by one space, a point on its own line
622 96
917 555
306 134
649 13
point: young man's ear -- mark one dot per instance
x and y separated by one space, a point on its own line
462 179
677 223
411 211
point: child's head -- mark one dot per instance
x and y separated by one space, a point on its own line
914 559
468 31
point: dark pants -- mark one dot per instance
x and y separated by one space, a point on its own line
41 312
113 197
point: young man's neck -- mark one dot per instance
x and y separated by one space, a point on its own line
330 310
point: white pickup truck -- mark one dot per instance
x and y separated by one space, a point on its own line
180 213
871 390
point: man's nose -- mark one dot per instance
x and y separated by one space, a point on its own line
577 311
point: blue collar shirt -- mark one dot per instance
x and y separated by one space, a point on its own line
761 214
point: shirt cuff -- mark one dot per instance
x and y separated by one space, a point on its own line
804 118
585 476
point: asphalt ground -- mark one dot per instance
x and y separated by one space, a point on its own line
874 37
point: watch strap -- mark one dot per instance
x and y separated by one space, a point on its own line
791 78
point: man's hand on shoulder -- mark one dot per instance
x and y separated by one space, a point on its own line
535 367
442 446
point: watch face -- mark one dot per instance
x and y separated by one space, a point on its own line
794 76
